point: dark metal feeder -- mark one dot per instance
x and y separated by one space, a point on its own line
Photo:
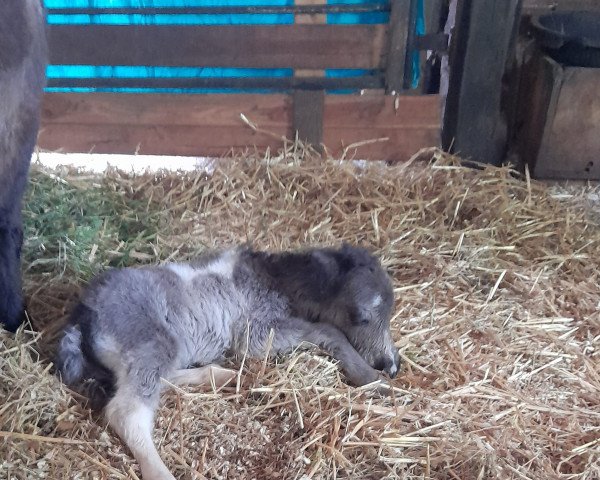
559 136
572 38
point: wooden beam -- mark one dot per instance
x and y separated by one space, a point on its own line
433 15
210 125
314 7
314 18
398 40
319 19
223 110
308 116
273 46
307 105
475 123
243 83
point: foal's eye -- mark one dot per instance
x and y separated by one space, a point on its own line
359 320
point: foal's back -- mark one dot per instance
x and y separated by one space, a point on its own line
185 311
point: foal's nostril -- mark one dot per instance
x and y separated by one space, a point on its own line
389 365
381 364
384 364
393 370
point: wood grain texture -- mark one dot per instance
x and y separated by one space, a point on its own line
268 111
273 46
476 122
398 40
307 116
210 124
570 146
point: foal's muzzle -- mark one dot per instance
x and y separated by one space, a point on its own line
389 364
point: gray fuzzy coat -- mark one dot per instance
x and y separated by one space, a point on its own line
135 326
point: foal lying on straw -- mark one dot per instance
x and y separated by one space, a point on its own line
135 326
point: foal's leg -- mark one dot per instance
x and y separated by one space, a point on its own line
131 411
292 332
132 417
207 375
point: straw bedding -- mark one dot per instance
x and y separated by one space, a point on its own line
497 319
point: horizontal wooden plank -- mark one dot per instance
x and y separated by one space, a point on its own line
391 145
266 110
272 46
212 141
370 111
237 83
161 109
318 8
210 125
400 144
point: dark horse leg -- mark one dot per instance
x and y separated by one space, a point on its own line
22 78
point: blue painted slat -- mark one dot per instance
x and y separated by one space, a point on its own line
70 71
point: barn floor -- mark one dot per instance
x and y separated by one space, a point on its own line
497 318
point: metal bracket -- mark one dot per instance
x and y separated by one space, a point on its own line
437 42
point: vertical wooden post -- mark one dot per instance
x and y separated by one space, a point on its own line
308 105
308 116
475 123
433 15
310 19
401 26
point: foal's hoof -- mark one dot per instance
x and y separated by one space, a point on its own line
157 472
364 378
380 385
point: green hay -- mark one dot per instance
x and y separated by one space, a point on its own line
76 228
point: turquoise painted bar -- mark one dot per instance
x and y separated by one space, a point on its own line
87 71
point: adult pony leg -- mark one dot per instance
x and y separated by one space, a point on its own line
22 78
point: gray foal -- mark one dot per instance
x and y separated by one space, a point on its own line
135 326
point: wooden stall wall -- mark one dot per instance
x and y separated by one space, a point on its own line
197 125
558 105
384 107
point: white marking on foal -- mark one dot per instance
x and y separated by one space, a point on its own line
133 421
183 270
391 352
394 368
376 301
223 265
109 353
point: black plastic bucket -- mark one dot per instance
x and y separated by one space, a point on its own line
570 37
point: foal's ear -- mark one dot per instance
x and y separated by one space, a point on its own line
356 256
323 274
325 263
